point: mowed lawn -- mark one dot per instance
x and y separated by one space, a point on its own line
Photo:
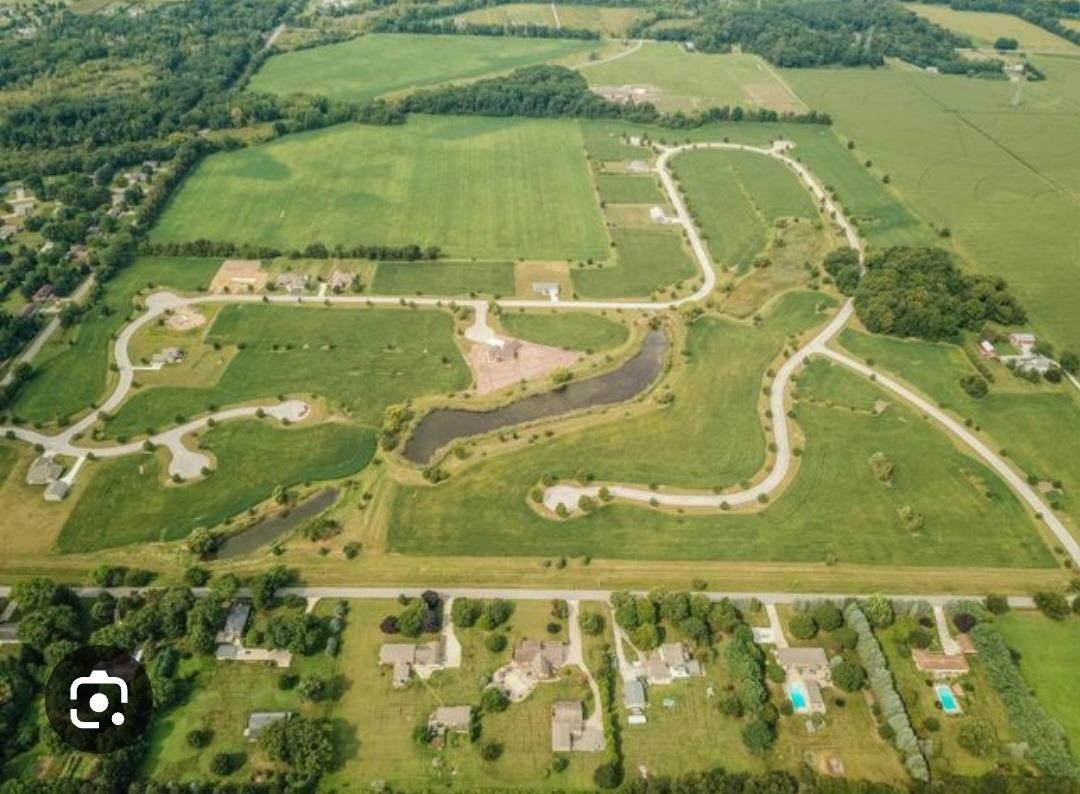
444 278
647 261
571 330
72 370
737 197
608 21
710 436
1048 652
127 502
377 64
477 187
985 27
685 81
360 359
1004 180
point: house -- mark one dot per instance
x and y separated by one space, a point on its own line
259 721
235 623
1022 342
167 355
500 350
7 231
805 696
549 288
78 253
806 663
635 702
292 283
657 215
455 719
43 471
22 207
986 348
542 658
56 491
567 725
340 280
938 664
670 661
405 658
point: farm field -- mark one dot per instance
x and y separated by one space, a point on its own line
252 459
607 21
571 330
484 187
835 506
647 260
360 359
985 27
1048 660
1027 421
686 81
444 278
1002 180
377 64
626 189
737 199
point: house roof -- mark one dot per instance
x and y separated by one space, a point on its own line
236 621
258 721
634 694
43 470
394 652
801 657
932 662
673 653
453 718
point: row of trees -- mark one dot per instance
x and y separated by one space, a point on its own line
694 616
212 248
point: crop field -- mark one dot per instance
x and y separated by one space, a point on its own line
737 199
985 27
625 189
360 359
572 330
252 459
483 187
647 260
1048 652
688 81
834 506
1002 179
1027 421
444 278
377 64
72 370
607 21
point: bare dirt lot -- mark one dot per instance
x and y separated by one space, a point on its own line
186 318
528 362
239 275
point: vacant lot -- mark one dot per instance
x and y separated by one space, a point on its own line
693 81
572 330
1048 652
608 21
985 27
128 502
444 278
625 189
647 260
360 359
378 64
484 187
737 198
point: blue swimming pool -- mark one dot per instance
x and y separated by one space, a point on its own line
797 694
947 699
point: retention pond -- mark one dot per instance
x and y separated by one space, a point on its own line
275 527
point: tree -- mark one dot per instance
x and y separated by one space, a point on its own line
304 744
975 386
491 751
996 604
848 675
977 737
1052 604
225 763
465 612
758 736
199 738
202 542
36 593
1006 43
592 623
495 613
827 616
314 687
879 610
1070 362
494 701
803 626
495 642
919 637
608 775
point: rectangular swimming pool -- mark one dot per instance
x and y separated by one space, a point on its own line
947 699
800 701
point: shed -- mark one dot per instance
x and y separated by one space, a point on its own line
56 491
457 719
43 471
259 721
634 695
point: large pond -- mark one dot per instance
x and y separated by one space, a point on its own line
444 425
275 527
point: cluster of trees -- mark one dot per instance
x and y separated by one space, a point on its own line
897 722
304 743
421 615
449 27
1046 739
693 616
746 669
843 265
1055 604
811 33
209 248
487 615
16 332
1046 14
919 292
555 91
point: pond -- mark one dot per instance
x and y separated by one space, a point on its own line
274 527
444 425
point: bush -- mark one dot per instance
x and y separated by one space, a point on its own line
494 614
919 637
996 604
465 612
848 675
560 763
879 610
758 736
932 724
974 386
732 706
199 738
1053 605
775 672
845 637
592 623
827 616
492 751
977 737
493 701
964 622
803 626
389 625
225 764
496 643
608 776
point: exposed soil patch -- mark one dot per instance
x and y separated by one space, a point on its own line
528 361
239 275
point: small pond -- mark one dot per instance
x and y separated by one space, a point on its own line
274 527
444 425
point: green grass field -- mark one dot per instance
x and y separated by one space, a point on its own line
985 27
835 506
444 278
1004 180
686 82
360 359
378 64
1030 422
72 370
1048 661
737 198
607 21
126 502
483 187
647 260
572 330
624 189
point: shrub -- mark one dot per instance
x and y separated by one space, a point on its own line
828 616
1053 605
389 625
199 738
560 763
225 763
964 622
803 626
775 672
592 623
977 737
492 751
932 724
493 701
495 613
974 386
919 637
848 675
997 604
879 610
845 637
608 775
465 612
881 466
758 736
732 706
496 643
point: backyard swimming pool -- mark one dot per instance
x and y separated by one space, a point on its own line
800 700
947 699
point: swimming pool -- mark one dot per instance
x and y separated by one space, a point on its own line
800 700
947 699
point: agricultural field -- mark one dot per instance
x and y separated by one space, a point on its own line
606 21
647 261
985 27
963 158
444 278
377 64
484 187
677 80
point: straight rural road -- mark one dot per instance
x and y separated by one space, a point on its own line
46 333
